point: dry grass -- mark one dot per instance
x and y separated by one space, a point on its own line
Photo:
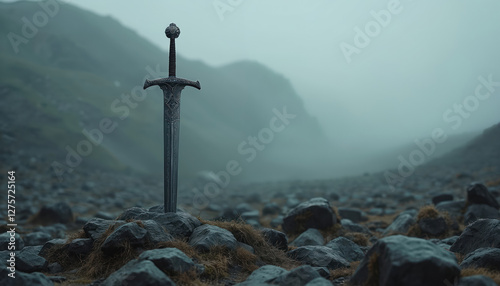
343 272
247 234
430 212
495 275
359 238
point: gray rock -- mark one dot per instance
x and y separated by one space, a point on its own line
50 244
36 238
96 227
138 273
479 194
476 280
246 247
298 276
320 281
483 258
131 213
80 246
54 268
206 236
55 213
443 197
243 208
128 233
275 238
320 256
5 241
277 221
311 236
179 224
401 260
251 215
433 226
156 232
400 225
376 211
170 260
476 211
355 215
354 227
104 215
453 208
28 260
479 234
22 279
315 213
347 249
271 208
323 272
263 274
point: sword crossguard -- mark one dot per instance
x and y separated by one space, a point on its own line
172 32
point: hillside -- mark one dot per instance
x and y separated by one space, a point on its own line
77 69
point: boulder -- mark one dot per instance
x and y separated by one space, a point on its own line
80 246
298 276
156 232
400 225
347 249
275 238
207 236
433 225
262 275
479 234
55 213
5 241
355 215
50 244
320 256
479 194
311 236
402 260
96 227
170 260
475 212
36 238
354 227
22 279
443 197
131 213
130 233
28 260
315 213
476 280
483 258
179 224
138 273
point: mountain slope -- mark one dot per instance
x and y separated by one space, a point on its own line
80 68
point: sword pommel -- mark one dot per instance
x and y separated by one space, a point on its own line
172 32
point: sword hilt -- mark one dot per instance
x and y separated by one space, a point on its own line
172 32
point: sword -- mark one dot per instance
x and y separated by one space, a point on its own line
172 87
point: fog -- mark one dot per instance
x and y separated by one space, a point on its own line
424 58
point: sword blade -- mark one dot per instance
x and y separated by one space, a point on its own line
171 130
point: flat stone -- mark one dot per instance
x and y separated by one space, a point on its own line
206 236
403 260
311 236
347 249
320 256
315 213
138 273
479 234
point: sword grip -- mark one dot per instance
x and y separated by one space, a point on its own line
171 58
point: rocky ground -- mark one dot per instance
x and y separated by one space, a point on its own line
439 227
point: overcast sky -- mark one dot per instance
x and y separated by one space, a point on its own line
406 70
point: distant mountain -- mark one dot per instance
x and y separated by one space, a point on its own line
78 70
